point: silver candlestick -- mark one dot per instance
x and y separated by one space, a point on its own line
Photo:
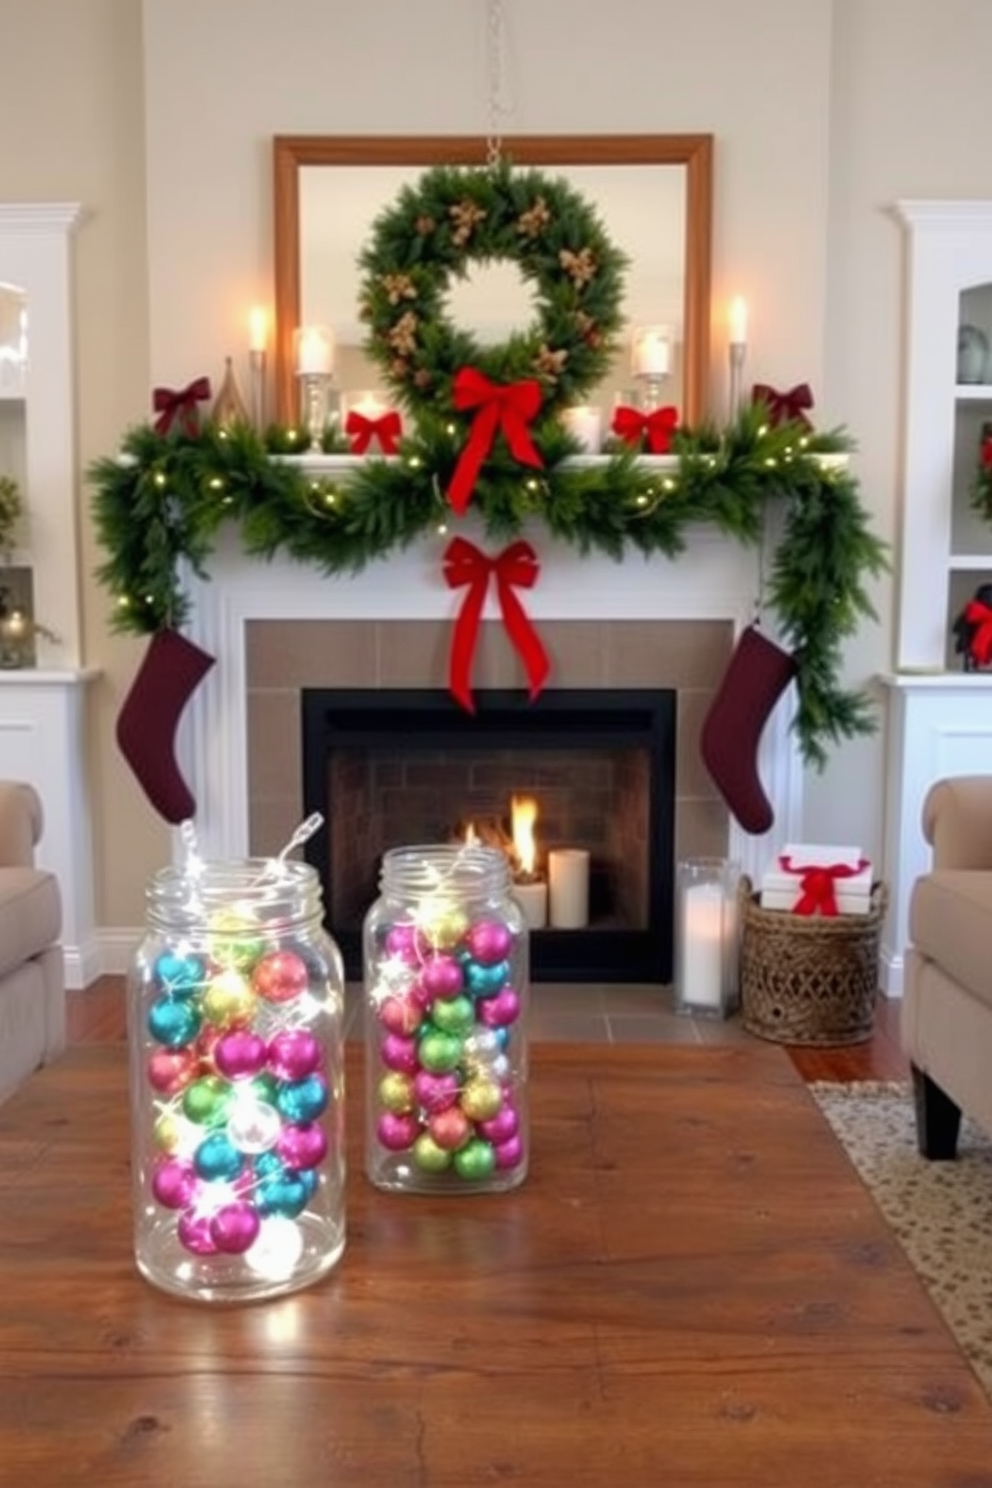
315 405
738 350
256 364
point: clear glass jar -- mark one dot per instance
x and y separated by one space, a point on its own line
446 971
235 1019
706 936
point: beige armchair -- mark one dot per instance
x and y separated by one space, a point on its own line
946 1015
32 983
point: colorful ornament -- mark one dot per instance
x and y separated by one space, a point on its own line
396 1092
475 1161
481 1099
234 1228
485 980
397 1132
294 1053
440 1052
489 941
429 1156
280 976
173 1023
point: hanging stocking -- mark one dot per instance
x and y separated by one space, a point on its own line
758 674
171 670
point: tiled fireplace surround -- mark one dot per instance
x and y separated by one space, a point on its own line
279 627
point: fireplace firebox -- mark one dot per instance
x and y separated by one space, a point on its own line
393 767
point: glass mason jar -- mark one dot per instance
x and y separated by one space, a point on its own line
446 969
706 936
235 1018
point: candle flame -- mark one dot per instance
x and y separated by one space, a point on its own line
523 815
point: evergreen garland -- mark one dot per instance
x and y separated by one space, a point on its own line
160 504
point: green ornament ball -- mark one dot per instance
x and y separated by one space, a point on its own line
475 1161
455 1015
440 1051
429 1156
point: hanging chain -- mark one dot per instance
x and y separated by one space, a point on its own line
496 76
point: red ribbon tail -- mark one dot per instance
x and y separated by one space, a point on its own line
526 641
470 460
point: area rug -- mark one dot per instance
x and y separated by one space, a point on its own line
941 1212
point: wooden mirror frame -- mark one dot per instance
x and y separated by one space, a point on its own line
694 151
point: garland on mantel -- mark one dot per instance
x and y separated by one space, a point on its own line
160 504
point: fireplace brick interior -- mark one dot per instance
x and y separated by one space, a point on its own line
285 656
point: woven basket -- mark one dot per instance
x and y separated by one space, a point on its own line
809 979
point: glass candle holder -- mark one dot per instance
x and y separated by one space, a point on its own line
706 936
446 967
235 1016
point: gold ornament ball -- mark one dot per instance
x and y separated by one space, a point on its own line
444 925
229 1001
481 1099
429 1156
168 1132
396 1092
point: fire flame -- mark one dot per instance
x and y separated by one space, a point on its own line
523 815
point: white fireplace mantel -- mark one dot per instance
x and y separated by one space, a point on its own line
715 579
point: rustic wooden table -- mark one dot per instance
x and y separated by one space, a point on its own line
692 1288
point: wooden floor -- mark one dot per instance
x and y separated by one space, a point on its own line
97 1015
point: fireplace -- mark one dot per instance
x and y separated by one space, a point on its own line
392 767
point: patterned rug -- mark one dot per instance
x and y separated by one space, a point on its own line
941 1212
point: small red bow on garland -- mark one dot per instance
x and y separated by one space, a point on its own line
361 430
816 885
171 404
656 429
516 567
985 454
509 407
785 408
980 645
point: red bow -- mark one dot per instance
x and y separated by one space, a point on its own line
361 430
510 407
816 885
170 404
785 408
633 427
517 565
986 452
980 645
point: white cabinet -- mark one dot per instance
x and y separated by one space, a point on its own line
940 719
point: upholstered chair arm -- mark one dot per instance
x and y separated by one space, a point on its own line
957 821
21 822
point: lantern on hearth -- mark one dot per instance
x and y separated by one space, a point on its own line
446 967
235 1017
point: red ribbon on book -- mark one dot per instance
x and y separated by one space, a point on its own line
361 430
980 645
465 565
787 407
508 407
816 884
655 429
180 403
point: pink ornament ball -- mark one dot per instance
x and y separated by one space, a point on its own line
401 941
240 1054
489 941
442 976
171 1070
499 1011
194 1234
402 1015
294 1053
302 1146
509 1154
501 1127
397 1132
400 1054
280 976
174 1183
234 1228
435 1092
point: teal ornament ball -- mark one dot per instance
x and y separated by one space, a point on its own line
287 1195
173 1023
439 1051
304 1100
475 1161
180 975
485 981
455 1016
217 1158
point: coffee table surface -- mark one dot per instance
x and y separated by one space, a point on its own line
693 1287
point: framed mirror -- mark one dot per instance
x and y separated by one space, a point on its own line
653 194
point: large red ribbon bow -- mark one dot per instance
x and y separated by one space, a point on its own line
506 406
180 403
816 884
361 430
656 428
785 408
516 567
980 645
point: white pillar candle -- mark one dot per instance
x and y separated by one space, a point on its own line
533 900
702 946
314 351
585 424
738 322
651 352
568 879
258 329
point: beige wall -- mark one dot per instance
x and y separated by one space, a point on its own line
823 114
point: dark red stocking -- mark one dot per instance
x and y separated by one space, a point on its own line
758 674
172 669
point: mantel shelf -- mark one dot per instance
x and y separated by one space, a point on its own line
330 465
